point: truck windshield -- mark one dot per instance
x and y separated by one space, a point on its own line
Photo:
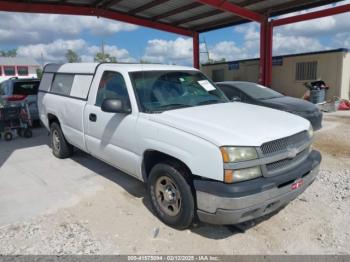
158 91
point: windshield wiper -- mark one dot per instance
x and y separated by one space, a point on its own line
174 105
171 106
207 102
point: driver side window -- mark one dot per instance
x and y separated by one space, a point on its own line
112 85
230 91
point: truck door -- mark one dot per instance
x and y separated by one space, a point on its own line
111 136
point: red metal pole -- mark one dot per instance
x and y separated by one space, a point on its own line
313 15
269 43
262 66
266 37
196 50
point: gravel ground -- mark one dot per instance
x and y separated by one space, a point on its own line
115 217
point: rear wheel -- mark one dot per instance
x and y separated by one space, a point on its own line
60 147
171 195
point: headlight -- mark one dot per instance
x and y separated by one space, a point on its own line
237 154
310 132
232 176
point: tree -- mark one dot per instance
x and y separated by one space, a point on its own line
72 57
103 57
39 73
212 61
144 61
9 53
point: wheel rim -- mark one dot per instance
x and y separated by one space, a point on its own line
56 140
168 196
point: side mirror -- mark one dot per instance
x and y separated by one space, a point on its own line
115 105
236 99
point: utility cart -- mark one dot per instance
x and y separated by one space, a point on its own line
15 117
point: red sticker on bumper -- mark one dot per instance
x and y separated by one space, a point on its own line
297 184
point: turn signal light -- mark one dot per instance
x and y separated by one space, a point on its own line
225 156
228 176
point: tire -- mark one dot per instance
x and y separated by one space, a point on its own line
60 147
8 136
27 133
171 195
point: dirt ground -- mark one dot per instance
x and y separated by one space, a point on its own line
99 210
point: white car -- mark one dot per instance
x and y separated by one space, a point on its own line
169 126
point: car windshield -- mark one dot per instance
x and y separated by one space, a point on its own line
158 91
26 88
257 91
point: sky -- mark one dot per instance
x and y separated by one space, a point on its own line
46 38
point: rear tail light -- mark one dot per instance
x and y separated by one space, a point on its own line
16 98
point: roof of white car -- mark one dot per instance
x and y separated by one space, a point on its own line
89 68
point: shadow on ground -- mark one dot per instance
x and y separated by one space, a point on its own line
8 147
133 186
138 189
222 232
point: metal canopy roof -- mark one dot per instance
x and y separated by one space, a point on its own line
185 15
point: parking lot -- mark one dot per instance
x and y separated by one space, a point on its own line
83 206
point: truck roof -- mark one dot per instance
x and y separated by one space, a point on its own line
89 68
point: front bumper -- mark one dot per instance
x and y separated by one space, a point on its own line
220 203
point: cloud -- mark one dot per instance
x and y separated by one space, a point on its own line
227 50
329 25
178 51
56 50
283 44
312 28
230 50
294 38
51 52
342 40
22 28
122 55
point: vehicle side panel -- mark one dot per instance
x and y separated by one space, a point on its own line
112 137
69 112
201 156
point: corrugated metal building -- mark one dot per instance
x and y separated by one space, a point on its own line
290 72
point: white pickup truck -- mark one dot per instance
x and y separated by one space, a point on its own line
202 156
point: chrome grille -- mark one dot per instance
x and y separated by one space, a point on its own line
283 143
287 162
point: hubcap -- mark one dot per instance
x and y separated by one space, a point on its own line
168 196
56 140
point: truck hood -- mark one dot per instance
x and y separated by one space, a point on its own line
234 123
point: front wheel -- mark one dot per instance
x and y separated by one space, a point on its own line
171 195
60 147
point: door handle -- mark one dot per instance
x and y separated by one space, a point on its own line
92 117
